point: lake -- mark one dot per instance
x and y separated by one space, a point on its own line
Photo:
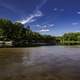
40 63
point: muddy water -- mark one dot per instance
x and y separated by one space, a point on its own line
40 63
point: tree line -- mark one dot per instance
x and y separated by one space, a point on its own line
22 35
71 38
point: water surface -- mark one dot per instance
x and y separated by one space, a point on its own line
40 63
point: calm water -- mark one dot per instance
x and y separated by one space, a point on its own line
40 63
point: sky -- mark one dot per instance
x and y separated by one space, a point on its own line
52 17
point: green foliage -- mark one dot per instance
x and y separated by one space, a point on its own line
71 38
20 35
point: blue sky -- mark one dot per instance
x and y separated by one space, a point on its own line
53 17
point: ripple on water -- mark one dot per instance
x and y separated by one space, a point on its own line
42 63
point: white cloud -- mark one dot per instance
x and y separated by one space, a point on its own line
51 25
45 27
37 25
41 4
75 23
55 9
27 20
62 10
36 13
78 12
48 25
31 18
44 30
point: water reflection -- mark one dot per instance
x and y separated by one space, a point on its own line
42 63
11 62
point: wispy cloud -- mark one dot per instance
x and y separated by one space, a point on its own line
44 30
57 9
31 18
48 25
41 4
75 23
51 25
12 8
38 25
9 7
62 10
78 12
36 13
45 27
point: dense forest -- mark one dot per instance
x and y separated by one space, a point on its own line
22 36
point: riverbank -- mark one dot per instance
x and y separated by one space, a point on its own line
13 44
22 44
70 42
